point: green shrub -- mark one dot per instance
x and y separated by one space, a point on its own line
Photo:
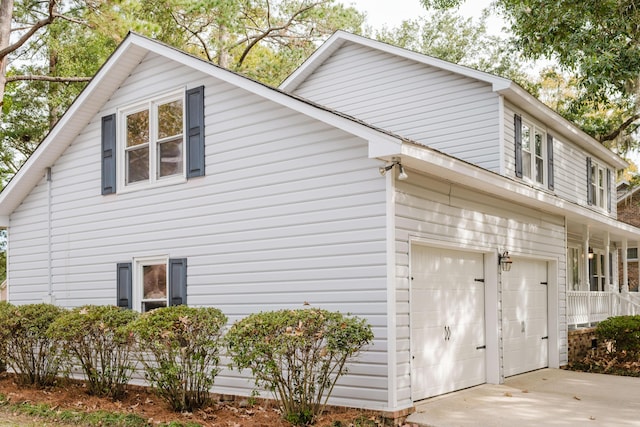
298 355
30 351
179 348
5 309
622 331
97 337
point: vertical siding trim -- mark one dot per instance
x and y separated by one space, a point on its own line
517 127
392 357
501 135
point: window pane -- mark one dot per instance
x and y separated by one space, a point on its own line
155 281
138 165
170 157
526 137
169 119
138 128
538 144
539 170
526 164
152 305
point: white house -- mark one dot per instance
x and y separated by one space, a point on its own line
173 181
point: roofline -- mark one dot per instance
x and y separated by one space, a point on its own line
132 50
512 91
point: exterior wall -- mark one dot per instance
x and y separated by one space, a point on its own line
629 212
570 164
290 211
445 111
439 212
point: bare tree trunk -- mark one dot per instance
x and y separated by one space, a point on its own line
6 14
223 53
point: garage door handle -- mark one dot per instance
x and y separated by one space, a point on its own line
480 347
545 338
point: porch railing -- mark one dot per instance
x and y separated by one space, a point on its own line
585 308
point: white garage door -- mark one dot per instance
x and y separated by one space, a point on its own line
524 317
447 321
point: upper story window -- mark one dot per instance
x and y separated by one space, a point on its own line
159 140
153 141
598 185
534 153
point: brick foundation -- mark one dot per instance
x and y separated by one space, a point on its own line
581 341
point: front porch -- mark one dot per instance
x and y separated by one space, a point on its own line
599 283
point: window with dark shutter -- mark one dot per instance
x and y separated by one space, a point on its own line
177 281
109 154
195 132
517 122
550 176
124 285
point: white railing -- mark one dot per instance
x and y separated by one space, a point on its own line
585 308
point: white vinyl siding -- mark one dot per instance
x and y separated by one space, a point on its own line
570 163
451 113
290 211
439 212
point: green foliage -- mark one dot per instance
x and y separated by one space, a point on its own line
99 339
5 313
298 355
30 351
623 332
179 348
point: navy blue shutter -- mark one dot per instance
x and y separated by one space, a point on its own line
517 127
124 287
589 187
109 154
195 132
608 190
550 161
177 281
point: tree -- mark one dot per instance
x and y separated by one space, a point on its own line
448 36
597 44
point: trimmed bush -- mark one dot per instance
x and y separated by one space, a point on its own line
179 347
98 338
30 351
5 309
298 355
622 331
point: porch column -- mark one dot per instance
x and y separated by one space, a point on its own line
607 263
625 267
585 266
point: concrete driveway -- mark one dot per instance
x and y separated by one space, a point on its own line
548 397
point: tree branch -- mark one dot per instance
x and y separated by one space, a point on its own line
56 79
613 135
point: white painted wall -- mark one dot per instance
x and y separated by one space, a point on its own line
291 210
445 111
441 214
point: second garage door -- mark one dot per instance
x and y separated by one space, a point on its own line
524 317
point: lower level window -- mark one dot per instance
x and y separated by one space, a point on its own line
154 286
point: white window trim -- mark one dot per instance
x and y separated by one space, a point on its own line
532 146
153 181
138 279
596 170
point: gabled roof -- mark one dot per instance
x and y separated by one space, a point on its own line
114 72
511 91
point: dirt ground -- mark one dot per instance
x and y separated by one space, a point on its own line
140 401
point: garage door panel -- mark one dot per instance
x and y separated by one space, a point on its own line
524 317
447 321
